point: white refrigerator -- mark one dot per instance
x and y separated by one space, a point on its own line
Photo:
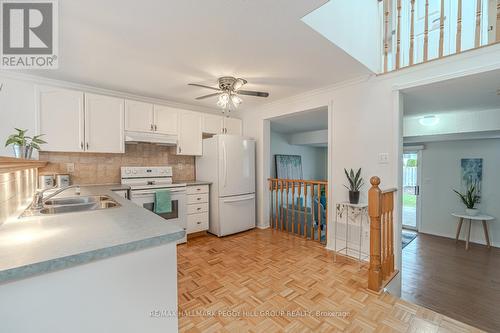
228 162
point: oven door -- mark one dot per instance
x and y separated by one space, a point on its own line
146 199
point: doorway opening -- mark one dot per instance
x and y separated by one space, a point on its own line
298 183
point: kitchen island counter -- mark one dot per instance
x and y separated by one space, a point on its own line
41 244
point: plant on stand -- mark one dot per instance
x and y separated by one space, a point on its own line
355 184
22 144
470 198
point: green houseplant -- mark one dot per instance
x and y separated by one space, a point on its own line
470 198
22 144
355 184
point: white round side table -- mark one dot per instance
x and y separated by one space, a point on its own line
479 217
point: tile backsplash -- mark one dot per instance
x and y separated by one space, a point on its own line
16 191
97 168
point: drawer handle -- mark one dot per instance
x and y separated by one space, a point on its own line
199 208
198 189
198 199
198 222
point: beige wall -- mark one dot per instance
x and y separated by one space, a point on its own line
16 190
105 168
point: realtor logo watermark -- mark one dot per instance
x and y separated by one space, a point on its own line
29 32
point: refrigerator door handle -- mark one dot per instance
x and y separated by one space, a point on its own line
245 198
224 156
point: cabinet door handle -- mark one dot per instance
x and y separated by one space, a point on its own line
180 149
87 146
81 145
156 128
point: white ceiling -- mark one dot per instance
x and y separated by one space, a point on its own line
155 48
468 93
312 120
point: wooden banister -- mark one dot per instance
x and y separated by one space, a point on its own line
403 13
380 210
300 217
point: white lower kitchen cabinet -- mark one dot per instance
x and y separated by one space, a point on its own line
126 293
197 208
60 118
190 134
104 124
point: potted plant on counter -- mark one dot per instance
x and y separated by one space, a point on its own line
355 184
470 198
23 145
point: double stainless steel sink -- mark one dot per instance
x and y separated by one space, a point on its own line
73 204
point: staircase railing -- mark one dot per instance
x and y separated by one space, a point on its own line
299 206
410 23
381 211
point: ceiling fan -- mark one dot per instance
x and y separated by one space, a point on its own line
229 92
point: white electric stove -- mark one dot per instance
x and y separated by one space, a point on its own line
145 181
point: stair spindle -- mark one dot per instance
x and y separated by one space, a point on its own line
412 33
477 39
459 27
441 31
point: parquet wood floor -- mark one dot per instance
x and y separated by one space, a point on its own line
233 284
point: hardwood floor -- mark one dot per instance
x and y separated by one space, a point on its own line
465 285
251 282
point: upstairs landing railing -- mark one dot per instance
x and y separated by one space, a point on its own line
412 28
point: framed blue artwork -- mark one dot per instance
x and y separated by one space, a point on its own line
472 173
288 166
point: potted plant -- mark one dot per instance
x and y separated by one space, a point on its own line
355 183
470 198
22 144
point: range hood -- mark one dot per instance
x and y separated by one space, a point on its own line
163 139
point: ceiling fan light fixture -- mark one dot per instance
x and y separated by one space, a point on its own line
236 100
223 100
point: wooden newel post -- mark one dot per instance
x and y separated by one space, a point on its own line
374 211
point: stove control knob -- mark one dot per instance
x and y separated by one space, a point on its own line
127 171
134 172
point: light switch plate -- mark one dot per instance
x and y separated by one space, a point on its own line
383 158
70 167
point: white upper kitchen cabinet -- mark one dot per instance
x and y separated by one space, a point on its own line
212 124
166 119
232 126
138 116
190 134
60 118
104 124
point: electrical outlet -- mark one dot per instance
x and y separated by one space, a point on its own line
383 158
70 167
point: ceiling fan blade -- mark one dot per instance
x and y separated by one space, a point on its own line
207 96
239 83
253 93
202 86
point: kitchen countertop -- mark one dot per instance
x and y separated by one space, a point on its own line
195 182
42 244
